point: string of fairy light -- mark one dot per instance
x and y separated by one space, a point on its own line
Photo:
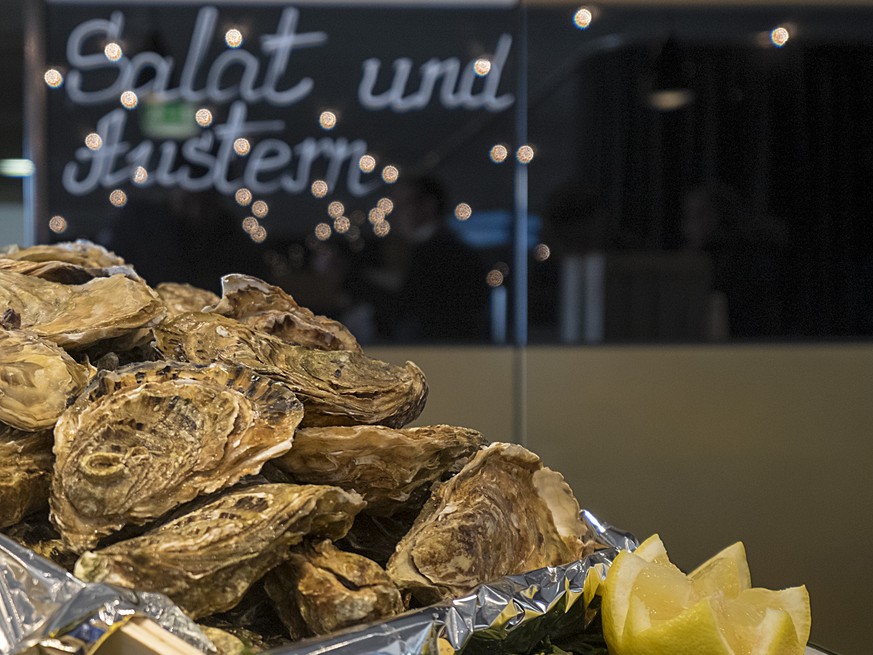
340 221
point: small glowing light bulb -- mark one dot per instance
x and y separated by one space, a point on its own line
233 38
112 51
53 78
582 18
327 120
129 100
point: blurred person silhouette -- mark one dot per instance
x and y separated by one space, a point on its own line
429 286
575 224
748 254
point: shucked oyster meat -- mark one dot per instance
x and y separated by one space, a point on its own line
25 473
206 560
180 298
81 252
37 378
77 315
269 309
146 438
321 589
336 387
504 513
382 464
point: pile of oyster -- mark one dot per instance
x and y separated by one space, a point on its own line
244 457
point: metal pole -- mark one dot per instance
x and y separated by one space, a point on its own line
35 123
519 272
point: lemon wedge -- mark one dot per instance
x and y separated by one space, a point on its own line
651 608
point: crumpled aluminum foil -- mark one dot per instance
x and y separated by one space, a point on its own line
40 602
42 605
518 611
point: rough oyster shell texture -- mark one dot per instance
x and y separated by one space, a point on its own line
382 464
78 315
81 252
25 473
269 309
321 589
37 379
504 513
146 438
206 560
336 387
180 298
64 272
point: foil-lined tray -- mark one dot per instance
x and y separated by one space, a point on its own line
44 609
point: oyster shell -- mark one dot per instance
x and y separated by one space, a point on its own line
81 252
336 387
321 589
384 465
148 437
180 298
224 642
36 533
206 560
25 473
77 315
504 513
64 272
37 379
269 309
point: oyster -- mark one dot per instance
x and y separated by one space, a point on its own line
322 589
206 560
384 465
224 642
40 536
25 473
77 315
504 513
269 309
180 298
336 387
148 437
81 252
37 379
64 272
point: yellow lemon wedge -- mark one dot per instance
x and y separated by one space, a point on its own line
651 608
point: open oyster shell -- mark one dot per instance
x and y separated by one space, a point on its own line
269 309
37 379
504 513
206 560
64 272
180 298
384 465
81 252
77 315
146 438
25 473
336 387
321 589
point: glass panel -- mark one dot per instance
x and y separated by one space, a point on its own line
700 173
338 152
